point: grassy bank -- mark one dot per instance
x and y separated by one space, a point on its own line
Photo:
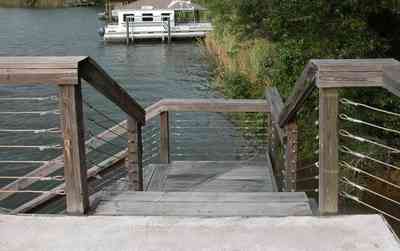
259 43
32 3
41 3
239 68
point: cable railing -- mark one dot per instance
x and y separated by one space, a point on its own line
355 166
25 145
197 129
369 160
85 142
218 136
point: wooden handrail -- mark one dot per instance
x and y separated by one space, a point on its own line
329 76
391 79
303 88
67 73
287 137
207 105
103 83
332 73
151 112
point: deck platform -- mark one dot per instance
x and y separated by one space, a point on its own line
204 189
204 204
212 176
97 233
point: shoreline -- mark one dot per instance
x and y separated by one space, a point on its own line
46 4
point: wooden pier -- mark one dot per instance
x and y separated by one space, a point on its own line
192 205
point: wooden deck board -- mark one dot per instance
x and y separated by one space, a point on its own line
227 176
204 189
204 197
204 209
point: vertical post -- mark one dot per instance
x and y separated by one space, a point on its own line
74 149
291 156
108 11
127 30
164 138
328 151
134 162
169 30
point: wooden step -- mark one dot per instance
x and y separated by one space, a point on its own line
204 204
212 176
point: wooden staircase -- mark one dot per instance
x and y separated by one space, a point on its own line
206 189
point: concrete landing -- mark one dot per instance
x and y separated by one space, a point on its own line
95 233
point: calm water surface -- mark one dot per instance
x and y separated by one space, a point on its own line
148 72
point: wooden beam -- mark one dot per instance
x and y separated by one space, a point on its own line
391 79
41 62
164 138
103 83
347 79
291 156
328 151
208 105
74 149
58 163
275 103
353 65
302 90
134 162
38 76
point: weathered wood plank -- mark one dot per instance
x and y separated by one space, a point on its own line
328 151
213 176
208 105
157 180
205 209
38 76
345 79
164 138
259 197
391 79
291 156
103 83
41 62
353 65
303 88
58 163
246 173
134 163
222 185
74 149
276 105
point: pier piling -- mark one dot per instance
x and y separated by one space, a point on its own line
169 30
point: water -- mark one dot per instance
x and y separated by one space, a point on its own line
148 71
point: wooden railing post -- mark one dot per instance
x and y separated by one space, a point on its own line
291 156
164 138
328 151
134 162
74 149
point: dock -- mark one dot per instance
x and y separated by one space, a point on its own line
123 188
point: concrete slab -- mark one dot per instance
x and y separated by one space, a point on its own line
56 233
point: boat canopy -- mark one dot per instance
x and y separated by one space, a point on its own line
181 5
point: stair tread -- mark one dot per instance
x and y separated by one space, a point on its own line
205 204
